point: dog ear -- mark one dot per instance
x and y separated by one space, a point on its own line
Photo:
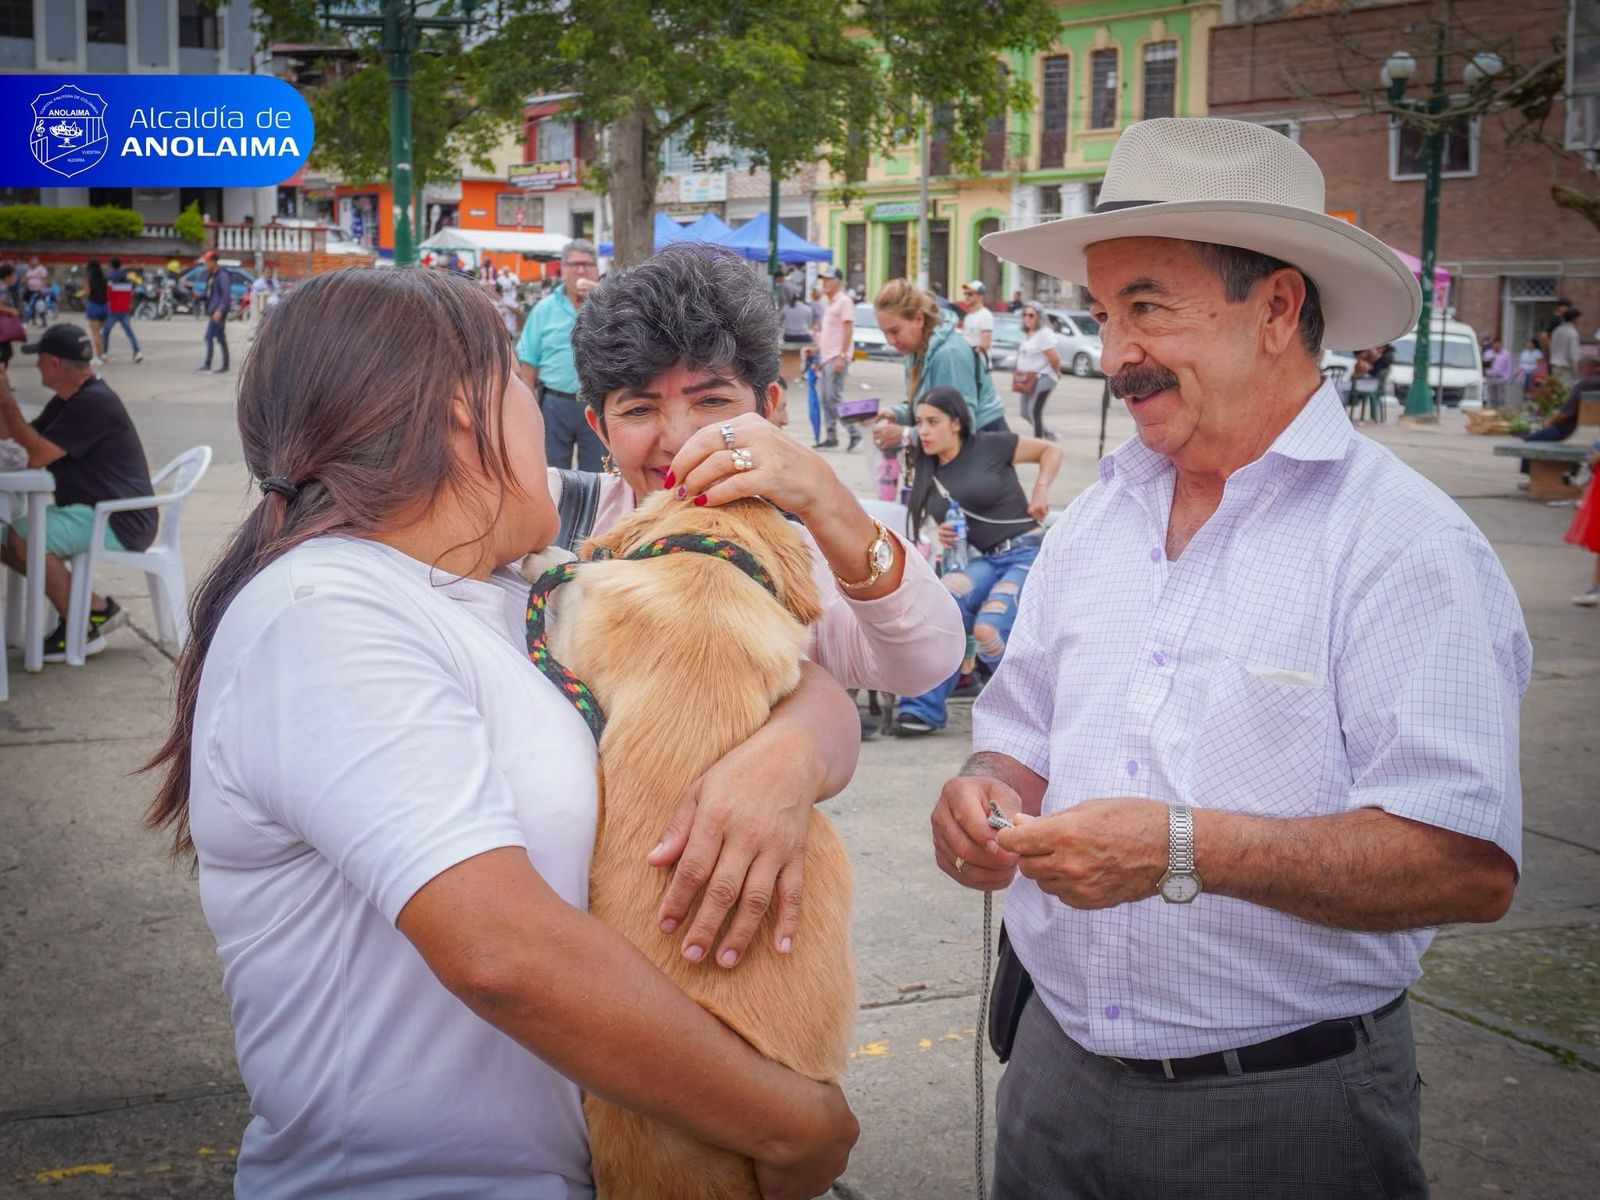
789 561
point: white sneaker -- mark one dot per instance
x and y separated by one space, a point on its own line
1589 599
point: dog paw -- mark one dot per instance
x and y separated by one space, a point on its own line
537 563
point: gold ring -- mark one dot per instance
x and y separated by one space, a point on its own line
726 429
743 460
960 864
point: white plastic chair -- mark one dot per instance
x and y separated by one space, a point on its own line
162 563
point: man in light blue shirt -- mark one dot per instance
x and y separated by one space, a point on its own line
544 355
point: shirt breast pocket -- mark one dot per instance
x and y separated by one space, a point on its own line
1267 744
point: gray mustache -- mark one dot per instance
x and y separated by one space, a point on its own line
1142 381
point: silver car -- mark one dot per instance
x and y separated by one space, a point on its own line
1077 340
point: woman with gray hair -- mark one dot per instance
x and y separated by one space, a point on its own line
677 362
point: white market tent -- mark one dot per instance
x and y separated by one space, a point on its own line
496 241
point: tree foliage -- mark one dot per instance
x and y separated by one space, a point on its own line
787 81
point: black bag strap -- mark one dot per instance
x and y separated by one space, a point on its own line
580 498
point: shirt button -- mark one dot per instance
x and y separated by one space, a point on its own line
1159 659
1155 553
1133 766
1112 1012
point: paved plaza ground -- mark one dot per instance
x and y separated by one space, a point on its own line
117 1075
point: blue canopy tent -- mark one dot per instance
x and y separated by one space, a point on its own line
750 240
707 227
667 231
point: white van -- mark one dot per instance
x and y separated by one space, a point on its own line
1455 364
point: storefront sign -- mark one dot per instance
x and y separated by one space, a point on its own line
898 210
703 188
544 176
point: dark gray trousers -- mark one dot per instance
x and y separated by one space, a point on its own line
565 431
1071 1125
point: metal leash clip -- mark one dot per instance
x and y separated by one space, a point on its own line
998 819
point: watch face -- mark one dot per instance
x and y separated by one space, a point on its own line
883 554
1179 888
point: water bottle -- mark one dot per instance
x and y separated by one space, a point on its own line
955 554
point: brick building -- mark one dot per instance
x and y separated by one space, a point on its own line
1303 67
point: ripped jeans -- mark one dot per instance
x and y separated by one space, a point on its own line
988 590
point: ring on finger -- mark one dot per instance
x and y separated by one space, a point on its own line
743 460
726 430
960 864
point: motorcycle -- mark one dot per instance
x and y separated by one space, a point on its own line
152 299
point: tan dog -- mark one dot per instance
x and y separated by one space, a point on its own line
687 654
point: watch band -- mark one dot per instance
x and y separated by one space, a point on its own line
875 571
1180 839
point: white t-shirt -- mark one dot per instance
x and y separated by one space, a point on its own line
363 724
975 324
1031 356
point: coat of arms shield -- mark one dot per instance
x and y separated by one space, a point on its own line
69 130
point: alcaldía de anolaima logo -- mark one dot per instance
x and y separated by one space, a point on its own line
69 130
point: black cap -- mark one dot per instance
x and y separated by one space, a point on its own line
65 342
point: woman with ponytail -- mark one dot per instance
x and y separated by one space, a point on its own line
392 811
936 356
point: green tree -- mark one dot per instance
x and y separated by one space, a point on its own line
785 80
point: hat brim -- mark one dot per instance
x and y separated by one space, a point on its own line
1368 295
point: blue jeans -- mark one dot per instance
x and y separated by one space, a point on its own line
565 431
112 322
217 333
988 591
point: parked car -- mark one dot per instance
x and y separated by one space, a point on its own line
339 240
868 338
193 282
1077 340
1455 365
1004 342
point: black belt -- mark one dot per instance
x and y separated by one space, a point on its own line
1010 543
1313 1044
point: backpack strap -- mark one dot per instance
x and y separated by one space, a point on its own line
580 498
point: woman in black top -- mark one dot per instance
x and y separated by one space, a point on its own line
978 472
96 306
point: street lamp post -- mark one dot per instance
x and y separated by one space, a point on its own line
1437 114
400 24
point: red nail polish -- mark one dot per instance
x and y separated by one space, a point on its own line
699 501
669 480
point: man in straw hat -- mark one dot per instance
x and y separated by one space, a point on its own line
1257 721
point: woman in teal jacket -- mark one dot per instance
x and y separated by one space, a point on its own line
936 356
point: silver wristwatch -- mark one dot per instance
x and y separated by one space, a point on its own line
1181 883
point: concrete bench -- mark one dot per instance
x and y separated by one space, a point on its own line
1549 463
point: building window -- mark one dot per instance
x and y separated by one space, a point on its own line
939 140
1289 129
1053 114
18 195
1160 79
208 198
1103 89
555 140
16 18
683 156
994 133
1460 158
107 21
114 197
895 257
197 26
515 208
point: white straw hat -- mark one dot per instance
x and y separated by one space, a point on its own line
1204 179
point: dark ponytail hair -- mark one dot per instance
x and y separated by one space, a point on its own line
345 406
949 401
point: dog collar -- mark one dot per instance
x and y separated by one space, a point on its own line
573 688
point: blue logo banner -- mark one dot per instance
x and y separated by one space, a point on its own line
150 130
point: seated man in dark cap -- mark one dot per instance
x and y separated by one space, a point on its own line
86 439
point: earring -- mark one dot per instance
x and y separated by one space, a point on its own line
609 465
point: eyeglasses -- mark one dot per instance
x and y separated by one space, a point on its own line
587 264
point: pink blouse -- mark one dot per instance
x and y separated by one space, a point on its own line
906 642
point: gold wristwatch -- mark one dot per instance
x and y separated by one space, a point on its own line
880 557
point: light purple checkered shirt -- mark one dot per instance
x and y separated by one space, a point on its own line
1339 635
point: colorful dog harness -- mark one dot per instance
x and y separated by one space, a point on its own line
573 688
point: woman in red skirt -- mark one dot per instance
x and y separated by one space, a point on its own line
1585 528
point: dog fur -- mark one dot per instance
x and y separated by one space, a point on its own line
687 655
